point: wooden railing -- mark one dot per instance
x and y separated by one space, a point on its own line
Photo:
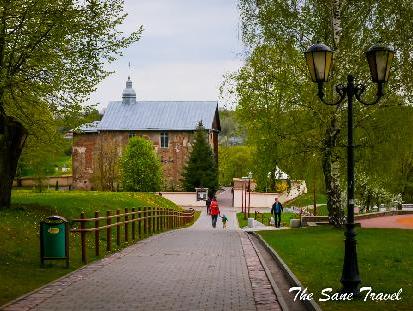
143 222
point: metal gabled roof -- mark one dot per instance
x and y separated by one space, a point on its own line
158 115
88 127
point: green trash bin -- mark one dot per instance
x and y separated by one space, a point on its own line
54 239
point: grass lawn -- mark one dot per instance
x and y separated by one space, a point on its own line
285 219
307 199
20 270
315 255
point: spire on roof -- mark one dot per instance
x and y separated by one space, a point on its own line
128 94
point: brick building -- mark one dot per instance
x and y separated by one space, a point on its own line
170 125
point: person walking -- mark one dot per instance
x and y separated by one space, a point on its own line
208 204
224 221
214 211
276 210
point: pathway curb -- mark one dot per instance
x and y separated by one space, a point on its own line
274 286
310 305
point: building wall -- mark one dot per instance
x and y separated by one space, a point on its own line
173 158
82 160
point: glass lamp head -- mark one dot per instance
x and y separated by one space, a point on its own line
319 59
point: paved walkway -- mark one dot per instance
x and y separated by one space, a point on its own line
400 221
197 268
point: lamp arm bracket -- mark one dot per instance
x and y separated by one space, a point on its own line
340 89
361 88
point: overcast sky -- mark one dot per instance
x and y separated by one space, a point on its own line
186 47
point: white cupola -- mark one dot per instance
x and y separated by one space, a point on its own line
129 94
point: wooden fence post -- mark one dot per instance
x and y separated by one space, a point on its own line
133 224
139 223
145 222
153 218
97 252
126 218
149 221
108 232
163 219
158 219
83 238
118 227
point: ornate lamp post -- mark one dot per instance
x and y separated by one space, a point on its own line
319 59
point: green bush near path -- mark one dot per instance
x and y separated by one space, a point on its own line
20 270
315 255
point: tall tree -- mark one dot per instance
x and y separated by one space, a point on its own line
349 27
201 169
52 55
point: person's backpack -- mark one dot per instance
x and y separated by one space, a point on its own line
214 207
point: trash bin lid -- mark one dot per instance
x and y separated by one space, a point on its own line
56 218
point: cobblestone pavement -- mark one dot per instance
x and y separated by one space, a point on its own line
197 268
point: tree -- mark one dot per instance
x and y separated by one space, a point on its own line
52 55
201 169
280 26
141 169
234 162
106 163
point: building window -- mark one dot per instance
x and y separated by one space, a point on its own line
131 134
164 140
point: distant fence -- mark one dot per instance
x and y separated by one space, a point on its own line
142 222
62 181
183 198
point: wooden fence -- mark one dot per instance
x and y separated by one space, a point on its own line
142 222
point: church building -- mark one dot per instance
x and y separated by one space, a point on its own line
170 125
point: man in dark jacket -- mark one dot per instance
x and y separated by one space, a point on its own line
276 210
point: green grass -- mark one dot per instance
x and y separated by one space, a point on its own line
19 229
307 199
315 255
285 218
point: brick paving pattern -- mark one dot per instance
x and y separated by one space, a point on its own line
400 221
264 296
197 268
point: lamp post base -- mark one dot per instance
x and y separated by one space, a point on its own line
350 277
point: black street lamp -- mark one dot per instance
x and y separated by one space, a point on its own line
319 59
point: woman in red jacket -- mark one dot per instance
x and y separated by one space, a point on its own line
214 210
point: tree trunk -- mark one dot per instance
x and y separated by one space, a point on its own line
331 170
12 138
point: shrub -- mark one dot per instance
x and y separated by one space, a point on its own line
140 167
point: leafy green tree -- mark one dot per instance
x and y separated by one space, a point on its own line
52 55
141 169
201 169
277 32
234 162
